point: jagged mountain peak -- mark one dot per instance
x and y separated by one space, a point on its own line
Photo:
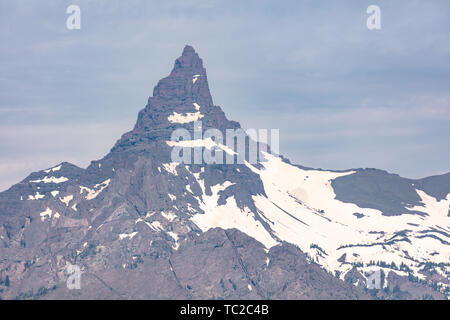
188 62
138 217
177 101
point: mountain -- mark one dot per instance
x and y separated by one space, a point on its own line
140 225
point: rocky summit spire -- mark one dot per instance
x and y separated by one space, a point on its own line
184 91
189 62
187 83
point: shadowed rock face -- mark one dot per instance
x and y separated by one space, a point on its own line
390 193
218 264
128 220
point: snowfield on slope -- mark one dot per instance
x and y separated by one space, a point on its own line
301 208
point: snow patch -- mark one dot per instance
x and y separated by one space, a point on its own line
57 168
50 180
37 196
431 206
186 118
48 213
195 78
66 199
156 225
171 167
98 188
168 215
172 197
127 235
174 236
229 216
208 143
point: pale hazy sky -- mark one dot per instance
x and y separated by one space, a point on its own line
342 96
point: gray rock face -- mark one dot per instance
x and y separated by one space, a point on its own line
218 264
390 193
141 227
